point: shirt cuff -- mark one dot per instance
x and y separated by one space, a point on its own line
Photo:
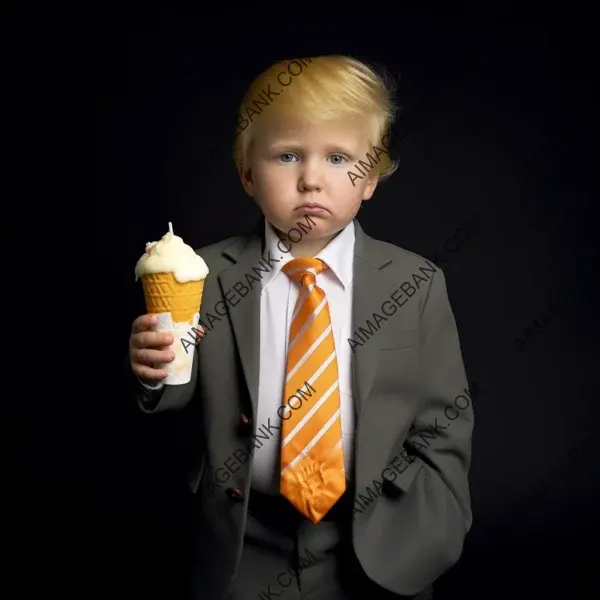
153 387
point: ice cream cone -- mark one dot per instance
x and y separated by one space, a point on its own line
163 293
173 277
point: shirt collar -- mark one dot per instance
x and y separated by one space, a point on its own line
338 254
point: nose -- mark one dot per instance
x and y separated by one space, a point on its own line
310 176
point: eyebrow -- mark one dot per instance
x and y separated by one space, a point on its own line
278 146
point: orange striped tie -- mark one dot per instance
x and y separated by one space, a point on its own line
312 460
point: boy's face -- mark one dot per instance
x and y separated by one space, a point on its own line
294 164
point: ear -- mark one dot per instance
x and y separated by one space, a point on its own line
370 187
247 179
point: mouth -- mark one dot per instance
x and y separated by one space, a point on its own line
312 207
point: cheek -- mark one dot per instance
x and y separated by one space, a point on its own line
349 185
279 182
349 197
276 184
274 192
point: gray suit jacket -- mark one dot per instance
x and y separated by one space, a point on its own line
414 414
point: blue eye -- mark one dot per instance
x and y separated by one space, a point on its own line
338 156
286 154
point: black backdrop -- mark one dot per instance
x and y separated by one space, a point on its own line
123 121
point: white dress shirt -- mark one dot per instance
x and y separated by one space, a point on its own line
277 301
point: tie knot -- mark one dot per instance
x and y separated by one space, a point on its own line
304 270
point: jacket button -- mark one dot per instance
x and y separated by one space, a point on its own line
234 494
245 423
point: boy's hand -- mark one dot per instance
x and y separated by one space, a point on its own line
148 348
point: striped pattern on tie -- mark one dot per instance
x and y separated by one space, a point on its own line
312 460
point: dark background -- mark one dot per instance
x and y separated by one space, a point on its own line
122 120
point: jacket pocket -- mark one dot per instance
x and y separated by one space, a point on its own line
399 340
401 477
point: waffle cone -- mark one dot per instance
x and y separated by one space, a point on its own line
163 293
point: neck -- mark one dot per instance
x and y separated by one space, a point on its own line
306 247
309 248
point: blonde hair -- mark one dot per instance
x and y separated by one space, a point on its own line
321 88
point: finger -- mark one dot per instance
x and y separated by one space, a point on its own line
168 347
144 372
152 339
148 356
144 323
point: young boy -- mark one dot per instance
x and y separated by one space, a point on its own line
327 464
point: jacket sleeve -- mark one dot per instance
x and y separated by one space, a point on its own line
440 437
436 506
165 397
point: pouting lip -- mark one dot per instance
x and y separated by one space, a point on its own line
312 205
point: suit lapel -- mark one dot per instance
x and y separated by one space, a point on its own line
245 315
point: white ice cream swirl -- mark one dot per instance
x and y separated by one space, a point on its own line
171 255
